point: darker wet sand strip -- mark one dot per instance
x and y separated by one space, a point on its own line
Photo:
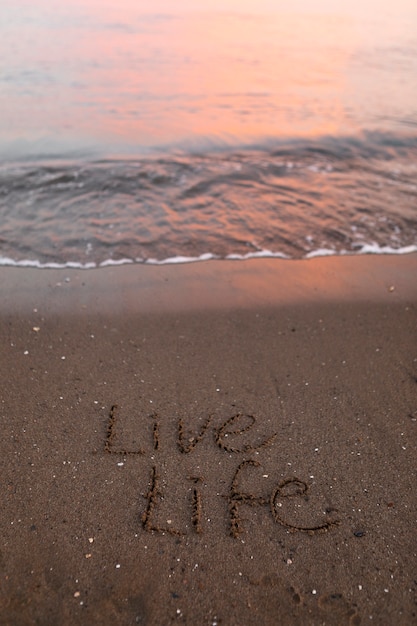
221 443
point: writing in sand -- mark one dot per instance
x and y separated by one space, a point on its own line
239 428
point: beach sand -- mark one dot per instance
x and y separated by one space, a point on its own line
215 443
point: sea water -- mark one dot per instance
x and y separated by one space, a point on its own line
170 131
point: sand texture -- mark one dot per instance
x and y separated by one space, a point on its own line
227 443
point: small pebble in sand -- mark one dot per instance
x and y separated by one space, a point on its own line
88 556
91 539
391 288
77 594
36 329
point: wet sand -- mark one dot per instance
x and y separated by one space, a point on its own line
218 443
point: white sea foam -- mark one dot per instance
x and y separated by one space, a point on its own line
259 254
322 252
371 248
8 262
207 256
112 262
366 248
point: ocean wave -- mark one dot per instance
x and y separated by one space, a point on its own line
294 200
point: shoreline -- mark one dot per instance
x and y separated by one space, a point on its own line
217 443
210 284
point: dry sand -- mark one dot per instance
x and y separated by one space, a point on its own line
220 443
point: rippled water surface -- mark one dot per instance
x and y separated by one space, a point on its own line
137 131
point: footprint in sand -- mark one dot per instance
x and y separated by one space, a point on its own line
339 607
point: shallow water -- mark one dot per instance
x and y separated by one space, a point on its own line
235 128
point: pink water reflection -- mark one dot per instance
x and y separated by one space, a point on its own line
127 76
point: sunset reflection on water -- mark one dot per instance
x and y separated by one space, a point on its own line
129 77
